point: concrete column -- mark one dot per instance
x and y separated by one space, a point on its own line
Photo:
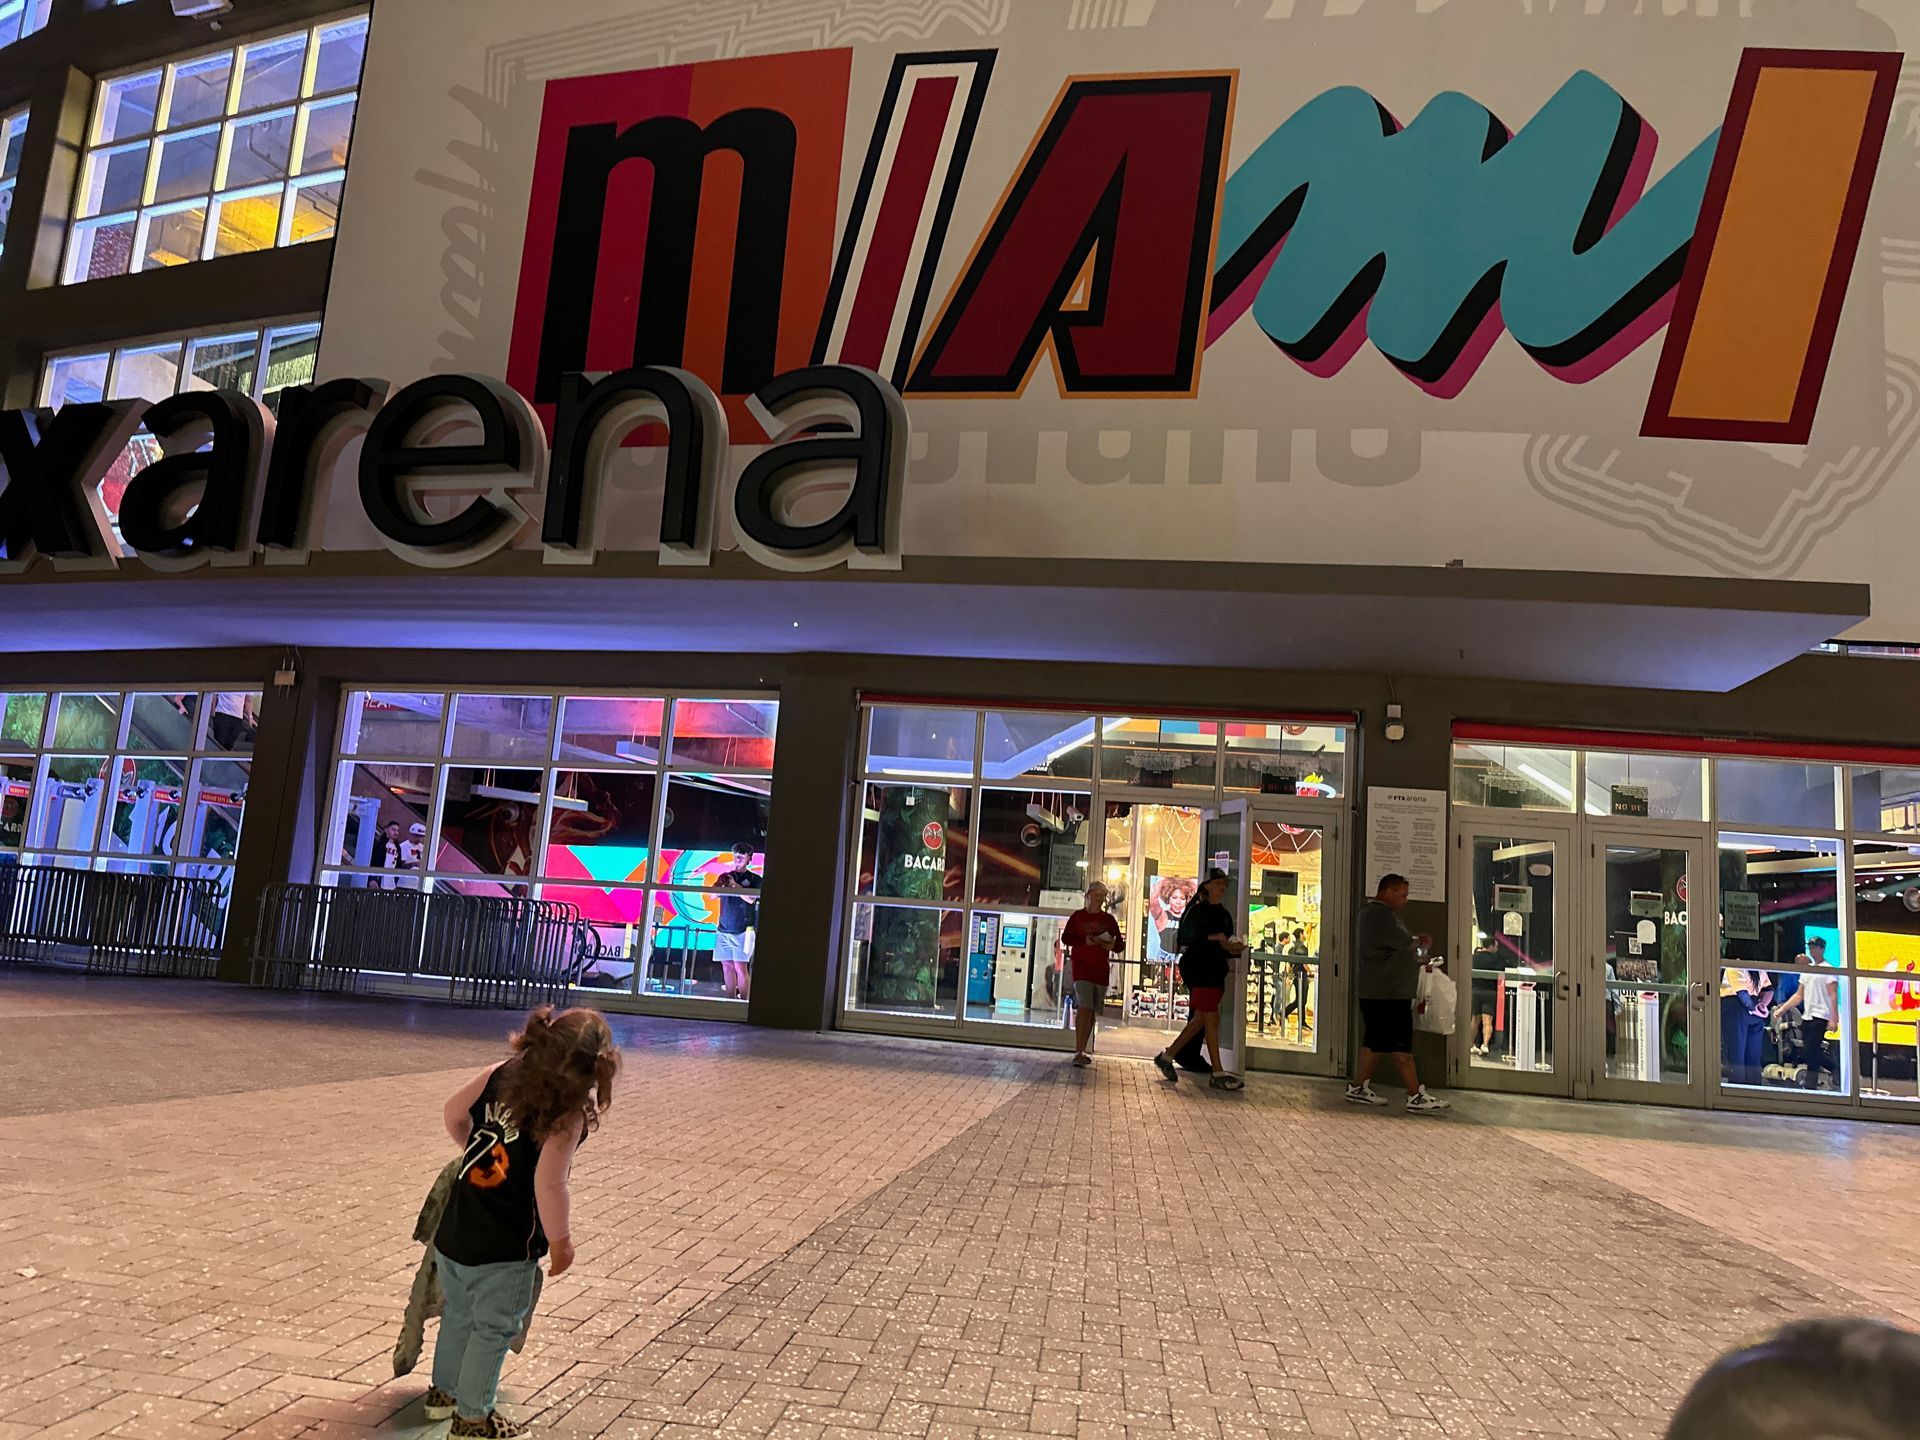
276 838
795 955
1422 761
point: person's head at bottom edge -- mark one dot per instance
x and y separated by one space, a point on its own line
1835 1379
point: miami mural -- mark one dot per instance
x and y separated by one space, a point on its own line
1122 246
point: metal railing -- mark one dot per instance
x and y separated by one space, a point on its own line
490 950
113 923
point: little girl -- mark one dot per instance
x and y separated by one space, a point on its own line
520 1121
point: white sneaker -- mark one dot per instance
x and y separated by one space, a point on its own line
1363 1095
1421 1103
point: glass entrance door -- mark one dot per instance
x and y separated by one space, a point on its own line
1644 997
1152 866
1293 1004
1511 905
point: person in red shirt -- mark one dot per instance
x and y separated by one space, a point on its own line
1091 936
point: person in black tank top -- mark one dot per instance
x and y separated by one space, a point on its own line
518 1124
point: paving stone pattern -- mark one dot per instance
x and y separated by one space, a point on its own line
205 1218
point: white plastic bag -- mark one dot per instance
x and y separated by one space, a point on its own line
1437 1005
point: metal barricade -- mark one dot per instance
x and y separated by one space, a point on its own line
111 922
491 950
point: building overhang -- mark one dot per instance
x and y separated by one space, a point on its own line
1643 631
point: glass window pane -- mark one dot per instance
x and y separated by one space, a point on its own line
259 149
713 833
291 353
16 801
316 211
163 722
200 90
173 237
185 167
502 727
1886 909
270 73
329 125
906 961
690 954
224 362
148 794
86 722
7 188
1658 787
100 248
76 379
149 373
127 107
726 734
13 139
616 917
1514 880
913 842
1287 759
1033 849
1512 777
233 719
114 180
23 719
1015 965
342 48
1019 743
1158 753
601 826
248 222
1886 800
910 740
486 821
213 830
71 795
376 811
393 723
1779 901
612 730
1776 792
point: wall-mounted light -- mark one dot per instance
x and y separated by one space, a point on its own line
1396 728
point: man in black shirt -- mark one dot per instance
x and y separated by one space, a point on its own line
733 940
1207 947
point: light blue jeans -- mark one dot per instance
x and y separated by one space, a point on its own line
486 1307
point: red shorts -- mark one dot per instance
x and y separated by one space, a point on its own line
1205 999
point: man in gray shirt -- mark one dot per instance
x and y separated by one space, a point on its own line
1387 977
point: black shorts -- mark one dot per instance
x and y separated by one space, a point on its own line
1486 994
1386 1026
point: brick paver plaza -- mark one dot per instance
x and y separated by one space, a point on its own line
207 1194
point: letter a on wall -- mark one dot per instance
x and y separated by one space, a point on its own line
1099 250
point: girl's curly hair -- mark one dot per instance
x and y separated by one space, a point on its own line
562 1070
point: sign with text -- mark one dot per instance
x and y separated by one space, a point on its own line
1407 835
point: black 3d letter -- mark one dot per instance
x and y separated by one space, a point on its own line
191 503
507 456
51 460
595 414
865 530
314 423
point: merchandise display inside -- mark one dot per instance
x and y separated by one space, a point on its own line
976 841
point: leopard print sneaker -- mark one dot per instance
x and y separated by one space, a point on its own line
437 1403
494 1427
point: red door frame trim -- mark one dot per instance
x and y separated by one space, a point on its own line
1082 707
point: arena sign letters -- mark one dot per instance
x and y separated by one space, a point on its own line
232 482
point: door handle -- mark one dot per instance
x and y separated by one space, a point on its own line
1697 993
1562 984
